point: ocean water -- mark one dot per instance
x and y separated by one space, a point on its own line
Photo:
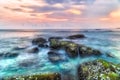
108 42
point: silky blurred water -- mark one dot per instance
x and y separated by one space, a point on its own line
105 41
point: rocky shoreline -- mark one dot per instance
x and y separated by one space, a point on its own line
94 70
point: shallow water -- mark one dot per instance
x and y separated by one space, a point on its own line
105 41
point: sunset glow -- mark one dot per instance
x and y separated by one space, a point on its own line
32 12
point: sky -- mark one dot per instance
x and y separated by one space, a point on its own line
59 14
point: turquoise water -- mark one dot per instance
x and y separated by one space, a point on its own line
105 41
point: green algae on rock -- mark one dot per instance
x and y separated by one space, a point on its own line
54 44
73 49
54 76
99 70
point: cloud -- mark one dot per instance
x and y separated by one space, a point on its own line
74 11
38 9
100 8
78 11
70 1
115 14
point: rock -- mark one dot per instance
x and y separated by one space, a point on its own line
54 44
50 76
77 36
33 49
55 38
55 57
38 41
63 44
87 51
98 70
43 45
72 50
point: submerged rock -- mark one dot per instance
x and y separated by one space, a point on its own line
77 36
38 41
99 70
55 57
52 76
33 49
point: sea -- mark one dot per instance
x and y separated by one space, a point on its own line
105 40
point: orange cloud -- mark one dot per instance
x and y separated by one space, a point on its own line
74 11
114 16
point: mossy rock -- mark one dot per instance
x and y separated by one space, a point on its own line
54 44
54 76
98 70
73 49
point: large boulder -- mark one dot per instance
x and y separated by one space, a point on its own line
55 57
77 36
38 41
87 51
98 70
50 76
32 49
